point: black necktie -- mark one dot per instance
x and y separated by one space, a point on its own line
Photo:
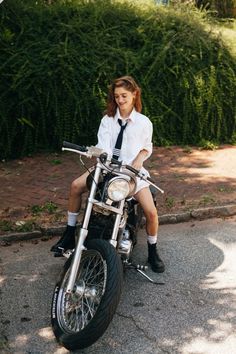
116 150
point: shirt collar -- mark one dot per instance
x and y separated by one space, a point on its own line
131 116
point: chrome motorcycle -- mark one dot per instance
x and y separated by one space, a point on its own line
88 291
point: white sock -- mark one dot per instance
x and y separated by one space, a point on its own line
151 239
72 218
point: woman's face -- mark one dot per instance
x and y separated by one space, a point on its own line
124 99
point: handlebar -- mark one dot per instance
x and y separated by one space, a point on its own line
93 151
136 172
142 176
68 145
132 169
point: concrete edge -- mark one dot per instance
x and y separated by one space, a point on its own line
196 214
199 214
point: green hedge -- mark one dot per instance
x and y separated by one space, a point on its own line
57 61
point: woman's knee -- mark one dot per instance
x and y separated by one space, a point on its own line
77 187
152 216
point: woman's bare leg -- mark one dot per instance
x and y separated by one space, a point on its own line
67 241
144 197
78 187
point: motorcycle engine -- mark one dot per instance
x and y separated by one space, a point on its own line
125 244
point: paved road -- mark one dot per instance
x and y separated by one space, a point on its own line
193 313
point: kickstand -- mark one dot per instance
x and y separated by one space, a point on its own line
140 269
146 276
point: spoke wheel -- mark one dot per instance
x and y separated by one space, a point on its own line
77 309
81 317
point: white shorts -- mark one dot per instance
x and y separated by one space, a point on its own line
140 182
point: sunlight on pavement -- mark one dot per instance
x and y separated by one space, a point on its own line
46 333
21 340
221 329
61 351
223 277
206 346
2 279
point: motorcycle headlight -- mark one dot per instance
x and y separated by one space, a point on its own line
118 189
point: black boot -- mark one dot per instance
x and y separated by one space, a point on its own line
155 261
67 241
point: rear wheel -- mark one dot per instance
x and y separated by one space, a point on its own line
81 317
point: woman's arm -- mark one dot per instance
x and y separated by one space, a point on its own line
104 135
146 149
139 159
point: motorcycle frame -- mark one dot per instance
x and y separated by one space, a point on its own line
84 229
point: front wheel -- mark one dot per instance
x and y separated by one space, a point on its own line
81 317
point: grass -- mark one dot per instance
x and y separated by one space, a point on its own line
207 199
25 226
225 189
19 226
170 202
33 218
55 162
207 145
187 149
6 225
48 207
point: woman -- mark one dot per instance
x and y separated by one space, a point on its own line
123 113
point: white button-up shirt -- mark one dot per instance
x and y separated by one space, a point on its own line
137 136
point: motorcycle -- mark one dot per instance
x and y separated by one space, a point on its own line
88 291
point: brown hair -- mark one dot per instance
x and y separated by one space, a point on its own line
129 84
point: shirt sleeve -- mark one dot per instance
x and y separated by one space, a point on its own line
148 140
104 135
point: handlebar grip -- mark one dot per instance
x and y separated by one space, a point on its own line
138 173
151 180
68 145
116 162
132 169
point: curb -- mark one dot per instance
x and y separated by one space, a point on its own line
197 214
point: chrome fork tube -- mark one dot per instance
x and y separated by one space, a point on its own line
113 239
83 233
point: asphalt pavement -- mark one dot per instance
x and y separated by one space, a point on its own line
194 312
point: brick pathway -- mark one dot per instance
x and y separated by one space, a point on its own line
37 180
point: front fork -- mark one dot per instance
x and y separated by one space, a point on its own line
83 233
84 230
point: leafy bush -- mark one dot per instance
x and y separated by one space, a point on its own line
57 62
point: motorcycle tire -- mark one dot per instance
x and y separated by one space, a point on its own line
80 318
